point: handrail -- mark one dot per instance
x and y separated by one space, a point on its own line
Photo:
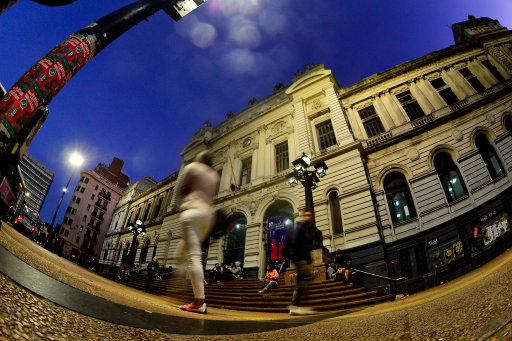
393 279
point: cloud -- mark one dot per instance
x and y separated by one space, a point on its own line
271 21
239 61
202 35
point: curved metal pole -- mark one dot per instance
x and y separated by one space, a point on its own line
62 197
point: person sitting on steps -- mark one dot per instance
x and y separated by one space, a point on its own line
349 272
333 273
271 279
215 274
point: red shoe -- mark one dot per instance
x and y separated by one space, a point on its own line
201 309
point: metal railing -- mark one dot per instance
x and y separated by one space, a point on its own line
393 279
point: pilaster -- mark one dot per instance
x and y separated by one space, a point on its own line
396 110
339 123
431 93
457 90
301 127
383 112
463 83
420 97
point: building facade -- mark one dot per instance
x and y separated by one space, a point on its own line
417 156
147 202
90 210
38 180
109 250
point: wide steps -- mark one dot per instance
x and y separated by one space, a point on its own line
243 294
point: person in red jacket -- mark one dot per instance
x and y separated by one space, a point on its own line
271 279
478 236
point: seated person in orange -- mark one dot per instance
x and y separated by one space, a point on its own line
271 279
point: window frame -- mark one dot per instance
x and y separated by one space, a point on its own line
411 106
329 136
406 192
484 151
444 171
337 229
445 91
372 121
246 165
282 156
472 79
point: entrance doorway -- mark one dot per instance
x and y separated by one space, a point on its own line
235 246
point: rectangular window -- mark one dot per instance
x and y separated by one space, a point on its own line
245 172
82 178
99 202
493 70
218 185
82 190
73 211
444 90
92 197
95 211
371 122
96 188
70 222
74 198
326 137
472 79
85 218
77 188
78 200
86 180
100 215
77 240
65 220
69 209
157 208
66 233
410 105
81 228
88 207
282 157
147 212
105 255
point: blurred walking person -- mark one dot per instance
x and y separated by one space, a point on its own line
302 242
200 182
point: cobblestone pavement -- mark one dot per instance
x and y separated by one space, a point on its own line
479 311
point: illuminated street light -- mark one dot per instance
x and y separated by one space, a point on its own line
76 159
309 179
136 230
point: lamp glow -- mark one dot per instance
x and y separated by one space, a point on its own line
77 159
320 171
138 222
306 159
314 184
293 181
299 168
130 228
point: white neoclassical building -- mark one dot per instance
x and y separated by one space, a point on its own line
417 155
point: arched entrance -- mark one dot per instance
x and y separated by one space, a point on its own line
279 223
235 243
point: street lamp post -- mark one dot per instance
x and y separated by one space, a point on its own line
136 230
309 180
77 161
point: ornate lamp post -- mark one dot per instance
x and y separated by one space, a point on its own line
309 180
136 230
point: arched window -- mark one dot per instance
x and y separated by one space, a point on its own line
337 225
508 125
491 159
400 203
235 247
450 177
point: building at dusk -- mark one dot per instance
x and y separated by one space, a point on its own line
38 180
90 209
417 156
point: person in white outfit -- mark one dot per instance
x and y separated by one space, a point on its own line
197 189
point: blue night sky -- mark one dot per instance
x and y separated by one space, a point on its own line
144 96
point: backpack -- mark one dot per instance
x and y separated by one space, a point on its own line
221 226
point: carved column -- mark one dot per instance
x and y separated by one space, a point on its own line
262 130
462 81
301 128
485 75
381 109
270 162
498 65
339 123
254 165
291 145
431 93
356 122
457 90
420 97
397 110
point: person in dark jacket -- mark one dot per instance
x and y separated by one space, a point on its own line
153 268
301 256
479 240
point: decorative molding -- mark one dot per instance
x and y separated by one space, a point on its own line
468 155
457 135
405 222
501 137
361 227
423 176
503 175
433 209
479 187
458 200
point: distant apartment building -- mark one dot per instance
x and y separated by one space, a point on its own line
38 180
90 209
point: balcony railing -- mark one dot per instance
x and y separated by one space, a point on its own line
92 239
104 195
100 206
97 217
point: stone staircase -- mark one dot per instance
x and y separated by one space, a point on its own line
243 294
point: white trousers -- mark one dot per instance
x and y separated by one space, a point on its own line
197 223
